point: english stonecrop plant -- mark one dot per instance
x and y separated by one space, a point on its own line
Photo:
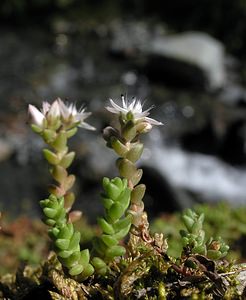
122 197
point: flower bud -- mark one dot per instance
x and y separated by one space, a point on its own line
143 127
35 116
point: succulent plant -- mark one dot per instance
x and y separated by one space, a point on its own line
194 239
115 224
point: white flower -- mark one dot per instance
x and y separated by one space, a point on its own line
134 107
47 111
70 114
36 117
57 109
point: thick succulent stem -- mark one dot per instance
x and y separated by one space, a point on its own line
60 159
65 238
115 224
127 145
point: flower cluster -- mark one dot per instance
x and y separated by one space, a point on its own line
56 114
132 111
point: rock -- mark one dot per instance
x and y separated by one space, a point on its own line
193 57
241 278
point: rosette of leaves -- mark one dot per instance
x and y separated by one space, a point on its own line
115 224
194 240
65 238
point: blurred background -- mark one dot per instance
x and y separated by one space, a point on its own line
188 58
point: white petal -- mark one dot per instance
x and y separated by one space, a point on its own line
152 121
124 103
54 109
132 105
138 106
45 107
116 108
112 110
63 109
35 116
86 126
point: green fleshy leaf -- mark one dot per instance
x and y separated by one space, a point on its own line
50 212
188 221
112 191
124 198
50 222
60 142
105 226
129 131
66 231
214 254
107 203
137 177
59 173
135 153
62 244
126 168
49 135
72 260
75 240
76 270
69 182
122 233
69 199
98 263
84 257
99 246
54 232
116 211
105 182
65 253
109 240
118 182
88 271
71 132
67 160
201 249
123 223
196 227
51 157
115 251
224 248
138 193
36 128
118 147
